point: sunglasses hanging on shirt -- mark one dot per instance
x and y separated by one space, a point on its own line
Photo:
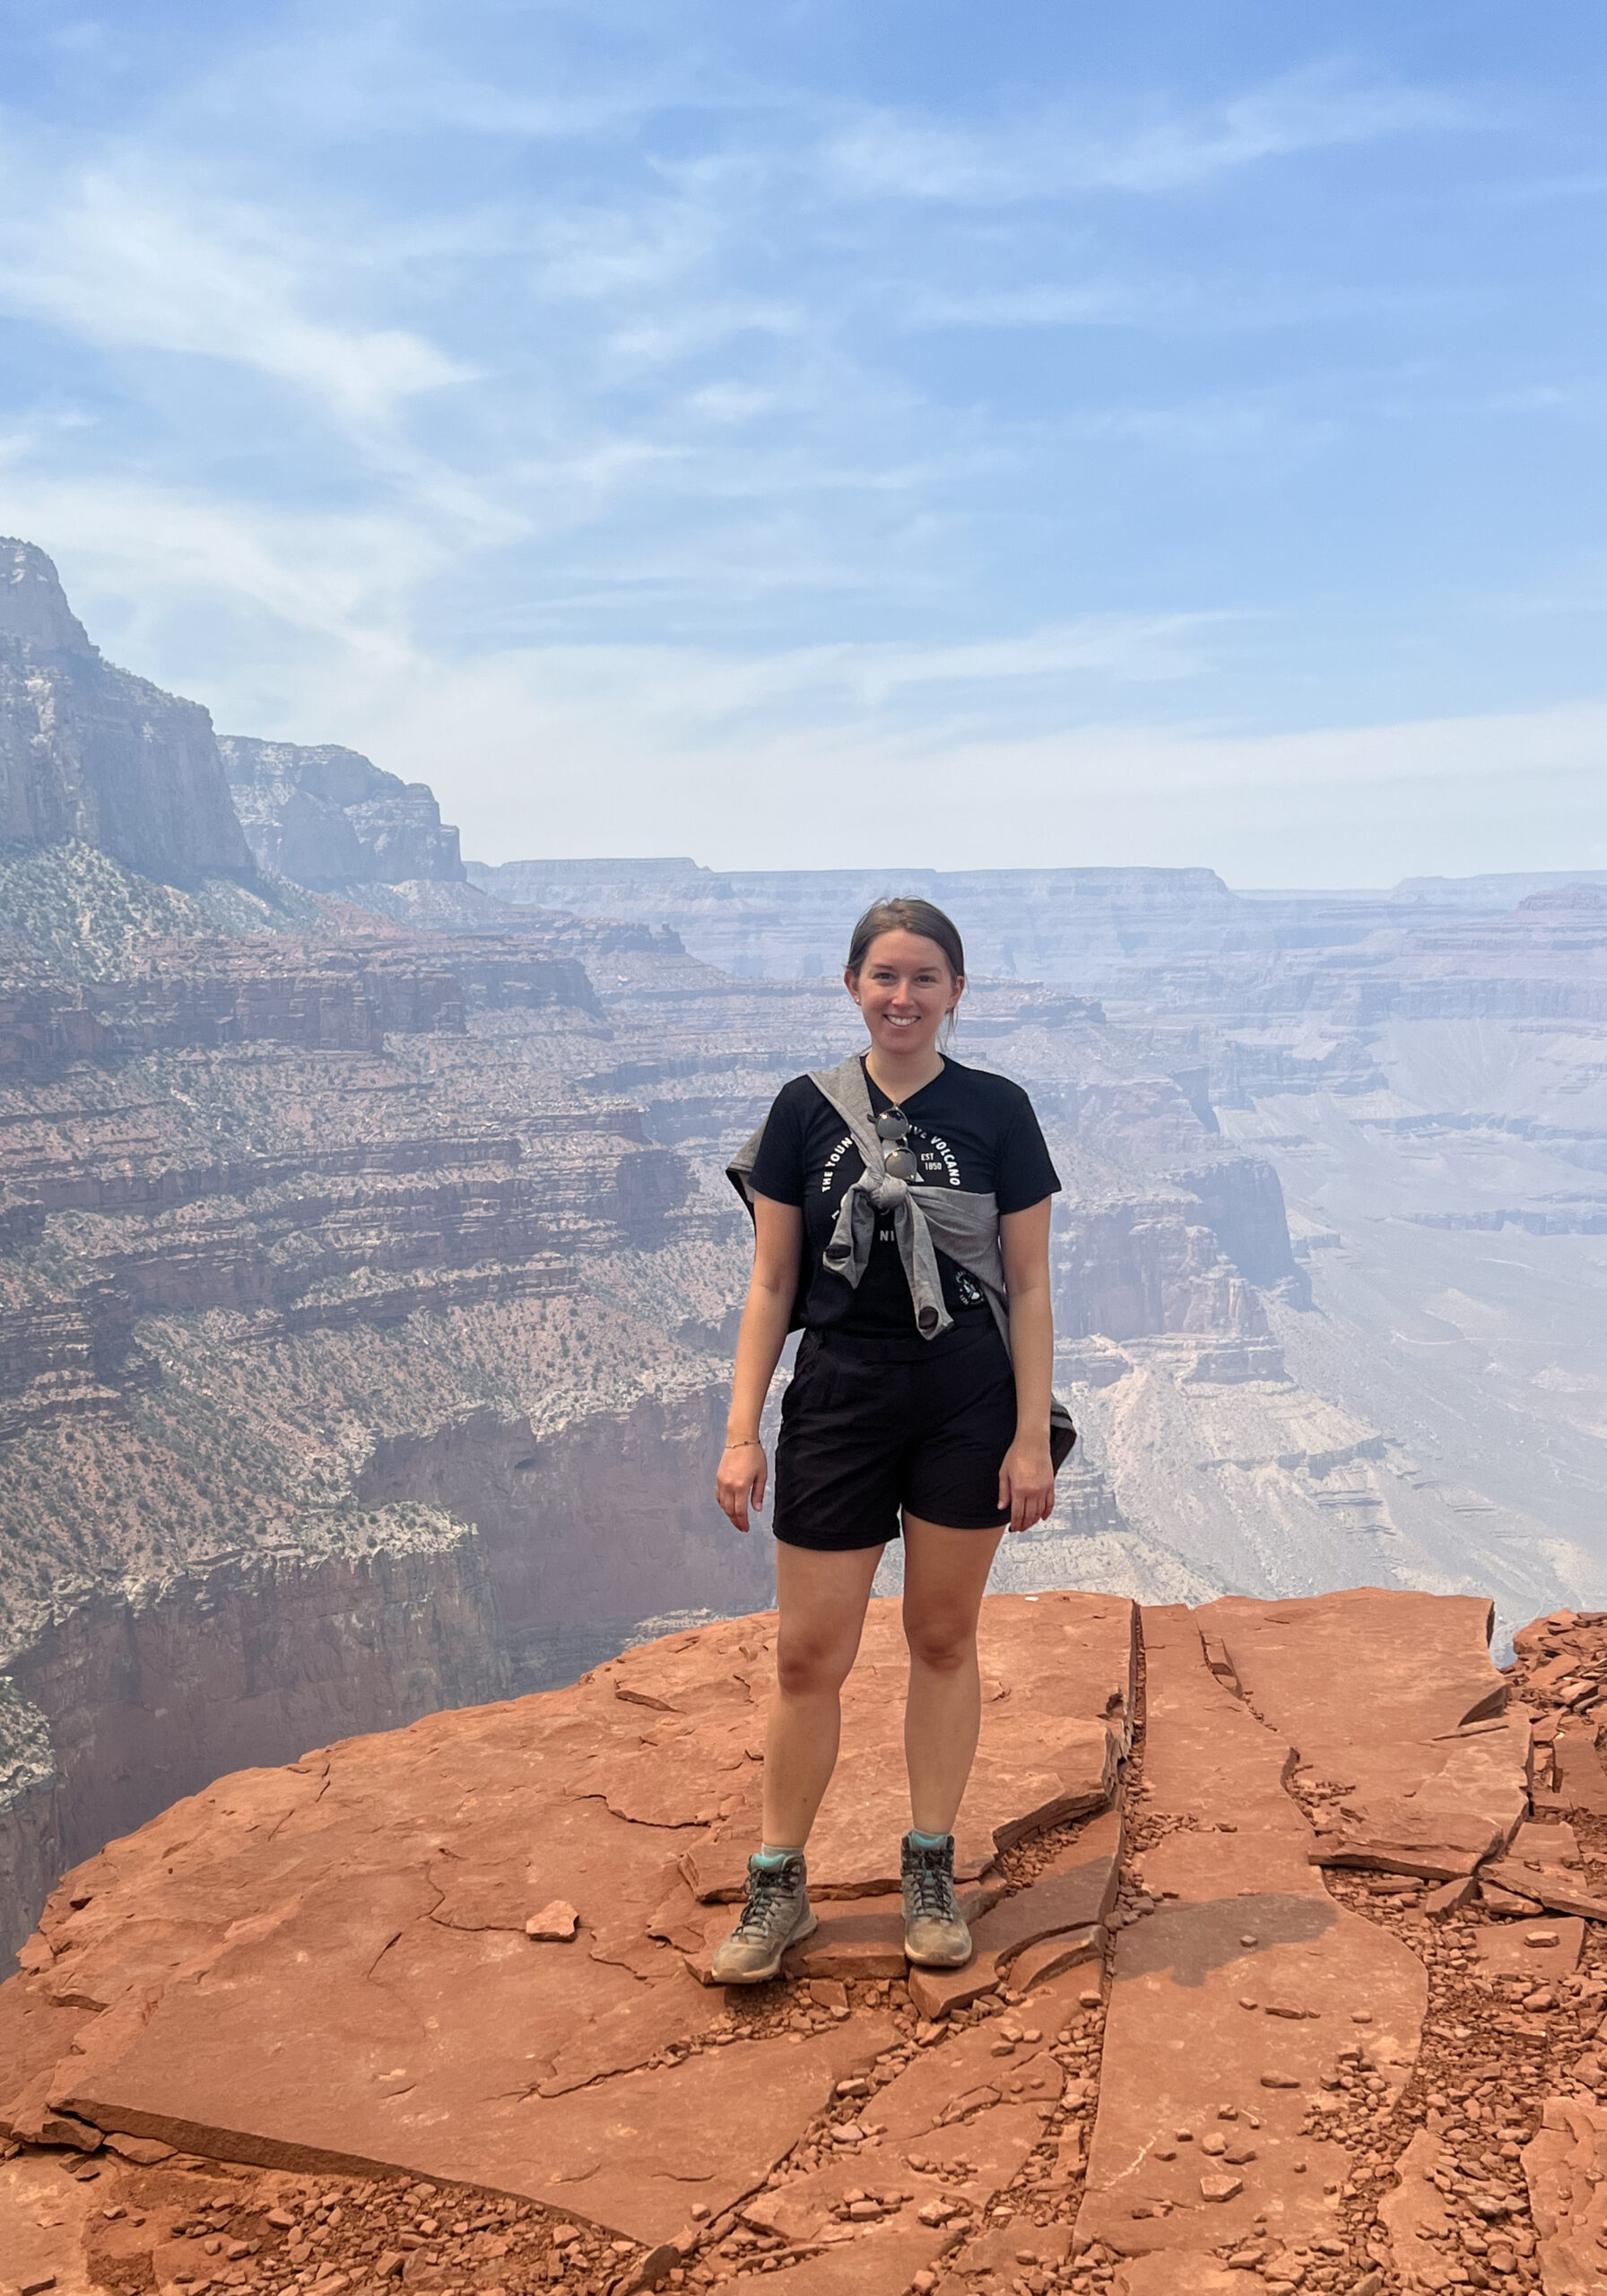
898 1158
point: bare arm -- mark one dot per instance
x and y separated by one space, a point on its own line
778 1250
1027 1477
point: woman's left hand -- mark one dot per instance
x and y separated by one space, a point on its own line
1026 1483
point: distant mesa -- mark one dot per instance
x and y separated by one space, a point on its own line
93 752
1584 896
328 818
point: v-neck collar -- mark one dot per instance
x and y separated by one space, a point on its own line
909 1101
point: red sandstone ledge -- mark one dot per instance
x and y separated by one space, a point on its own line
476 1949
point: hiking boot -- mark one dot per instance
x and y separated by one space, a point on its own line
777 1913
935 1937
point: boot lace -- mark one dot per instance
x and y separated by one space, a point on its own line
932 1886
771 1890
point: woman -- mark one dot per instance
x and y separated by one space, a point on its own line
901 1210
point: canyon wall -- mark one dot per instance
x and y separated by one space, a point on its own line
93 753
330 818
367 1293
146 1694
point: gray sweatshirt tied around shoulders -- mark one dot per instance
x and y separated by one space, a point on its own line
964 1221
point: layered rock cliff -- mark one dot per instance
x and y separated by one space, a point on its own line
93 752
330 819
348 1272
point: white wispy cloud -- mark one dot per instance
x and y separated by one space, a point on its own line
1059 152
114 256
603 418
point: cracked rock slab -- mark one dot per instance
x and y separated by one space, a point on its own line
1239 1991
953 2129
329 1966
1427 1768
1415 2217
1058 1673
1566 2169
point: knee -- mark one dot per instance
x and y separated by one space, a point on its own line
805 1667
944 1645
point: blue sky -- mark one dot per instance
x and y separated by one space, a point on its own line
795 433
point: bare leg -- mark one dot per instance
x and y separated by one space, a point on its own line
822 1600
945 1573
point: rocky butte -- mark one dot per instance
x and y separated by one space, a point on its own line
1290 1974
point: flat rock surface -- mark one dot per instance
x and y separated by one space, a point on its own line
1197 2062
1235 1995
330 1963
1427 1771
1057 1674
1540 1950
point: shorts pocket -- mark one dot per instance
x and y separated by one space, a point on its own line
811 1380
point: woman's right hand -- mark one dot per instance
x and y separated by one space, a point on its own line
739 1483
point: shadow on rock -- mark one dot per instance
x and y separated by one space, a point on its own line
1192 1940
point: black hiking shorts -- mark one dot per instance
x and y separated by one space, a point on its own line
862 1438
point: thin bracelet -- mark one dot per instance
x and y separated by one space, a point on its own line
745 1442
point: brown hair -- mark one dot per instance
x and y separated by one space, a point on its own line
902 916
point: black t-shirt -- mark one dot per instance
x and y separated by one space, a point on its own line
968 1128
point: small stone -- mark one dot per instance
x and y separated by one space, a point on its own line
1361 2016
935 2212
1090 2000
1544 1999
555 1924
35 2284
1540 1937
1278 2081
1239 2156
1221 2188
282 2220
1215 2145
1244 2001
1249 1940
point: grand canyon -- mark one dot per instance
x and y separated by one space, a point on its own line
372 1279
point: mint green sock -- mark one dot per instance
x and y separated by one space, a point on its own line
769 1856
926 1841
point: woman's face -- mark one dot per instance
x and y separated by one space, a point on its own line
905 990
